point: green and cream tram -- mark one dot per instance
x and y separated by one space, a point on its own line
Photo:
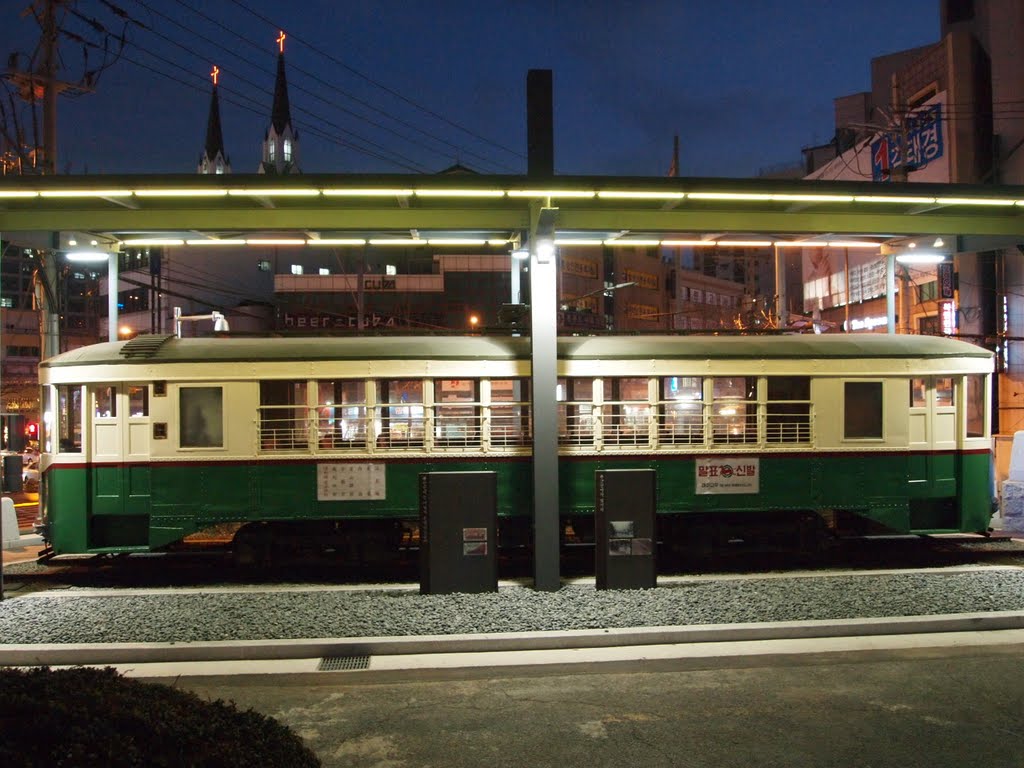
322 440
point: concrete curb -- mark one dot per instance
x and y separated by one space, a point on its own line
262 650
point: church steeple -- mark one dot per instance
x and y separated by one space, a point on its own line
214 158
281 143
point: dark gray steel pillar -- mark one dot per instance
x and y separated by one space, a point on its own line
540 134
543 359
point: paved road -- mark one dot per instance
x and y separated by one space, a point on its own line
934 707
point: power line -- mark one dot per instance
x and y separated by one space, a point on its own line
381 86
259 110
404 162
294 85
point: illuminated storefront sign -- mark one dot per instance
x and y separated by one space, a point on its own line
947 316
922 136
641 311
866 323
642 279
572 265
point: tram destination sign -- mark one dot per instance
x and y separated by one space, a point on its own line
734 475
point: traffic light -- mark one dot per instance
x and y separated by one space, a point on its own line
32 430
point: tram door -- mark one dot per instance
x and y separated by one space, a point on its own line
933 434
119 453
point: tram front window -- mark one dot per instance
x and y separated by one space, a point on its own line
69 418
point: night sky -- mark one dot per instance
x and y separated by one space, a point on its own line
395 87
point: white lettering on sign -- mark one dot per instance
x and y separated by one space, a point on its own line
737 475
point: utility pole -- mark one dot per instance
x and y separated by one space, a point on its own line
39 82
49 23
899 172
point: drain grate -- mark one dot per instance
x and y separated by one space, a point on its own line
343 663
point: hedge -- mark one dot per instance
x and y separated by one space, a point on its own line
86 717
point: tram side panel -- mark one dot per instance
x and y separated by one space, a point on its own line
203 465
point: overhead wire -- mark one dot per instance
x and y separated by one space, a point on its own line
379 85
316 78
380 152
292 85
259 109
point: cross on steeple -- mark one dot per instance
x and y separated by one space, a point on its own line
281 141
214 159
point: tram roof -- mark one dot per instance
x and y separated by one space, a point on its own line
157 349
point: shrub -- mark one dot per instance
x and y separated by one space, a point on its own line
86 717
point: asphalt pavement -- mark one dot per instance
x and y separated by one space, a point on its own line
953 703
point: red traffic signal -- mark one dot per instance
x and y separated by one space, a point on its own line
31 429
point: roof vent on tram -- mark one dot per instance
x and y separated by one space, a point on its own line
144 345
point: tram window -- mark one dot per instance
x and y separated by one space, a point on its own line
401 412
46 424
456 414
575 411
69 418
105 402
138 401
734 409
510 412
862 409
682 417
975 404
201 417
788 410
944 392
283 415
626 411
341 413
918 393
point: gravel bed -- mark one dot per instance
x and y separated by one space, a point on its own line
249 614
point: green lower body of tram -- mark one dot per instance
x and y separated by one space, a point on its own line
144 507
